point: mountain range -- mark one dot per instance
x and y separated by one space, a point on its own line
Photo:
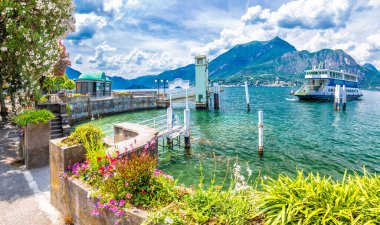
262 62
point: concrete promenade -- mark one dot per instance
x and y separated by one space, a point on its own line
24 194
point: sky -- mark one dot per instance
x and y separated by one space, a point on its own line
132 38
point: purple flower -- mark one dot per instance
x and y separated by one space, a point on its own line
121 203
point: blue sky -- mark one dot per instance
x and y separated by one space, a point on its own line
131 38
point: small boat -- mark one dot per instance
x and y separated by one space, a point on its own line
320 85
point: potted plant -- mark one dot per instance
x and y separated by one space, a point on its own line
35 135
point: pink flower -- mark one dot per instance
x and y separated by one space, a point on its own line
121 203
112 202
126 183
128 195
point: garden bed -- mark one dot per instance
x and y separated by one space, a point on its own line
71 196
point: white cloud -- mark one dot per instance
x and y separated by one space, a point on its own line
132 3
311 14
374 42
310 25
78 59
102 58
253 15
112 5
140 61
374 3
307 24
87 25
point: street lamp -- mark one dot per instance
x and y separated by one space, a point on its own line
167 81
158 88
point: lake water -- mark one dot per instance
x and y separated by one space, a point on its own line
304 135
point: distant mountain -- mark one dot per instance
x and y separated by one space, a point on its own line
248 55
261 62
370 67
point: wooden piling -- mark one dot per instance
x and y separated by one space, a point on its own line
344 97
247 96
261 132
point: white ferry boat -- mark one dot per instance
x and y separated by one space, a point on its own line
320 85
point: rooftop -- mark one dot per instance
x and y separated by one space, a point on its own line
99 76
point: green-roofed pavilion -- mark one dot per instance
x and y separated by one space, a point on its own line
95 84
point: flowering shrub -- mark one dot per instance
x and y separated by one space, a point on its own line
119 181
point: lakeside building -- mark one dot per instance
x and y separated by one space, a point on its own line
94 84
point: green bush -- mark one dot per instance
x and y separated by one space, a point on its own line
33 117
313 199
211 206
91 138
83 134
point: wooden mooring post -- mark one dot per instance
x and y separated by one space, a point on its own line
344 98
337 98
261 133
247 96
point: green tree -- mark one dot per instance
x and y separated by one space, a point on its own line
30 31
69 84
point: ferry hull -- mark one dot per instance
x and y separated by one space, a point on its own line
324 97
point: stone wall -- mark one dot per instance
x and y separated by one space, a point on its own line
84 107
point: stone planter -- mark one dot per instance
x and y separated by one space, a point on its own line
35 144
70 197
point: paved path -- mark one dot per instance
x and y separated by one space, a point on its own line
24 194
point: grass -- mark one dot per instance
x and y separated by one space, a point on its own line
312 199
305 199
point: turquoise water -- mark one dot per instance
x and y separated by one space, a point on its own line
305 135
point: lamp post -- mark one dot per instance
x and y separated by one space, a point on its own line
158 88
165 82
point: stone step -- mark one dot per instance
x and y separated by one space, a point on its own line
58 131
55 126
56 122
54 136
56 119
